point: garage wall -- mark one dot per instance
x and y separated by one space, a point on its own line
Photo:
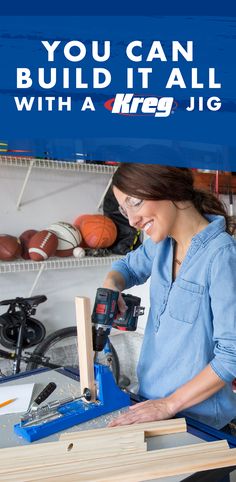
52 196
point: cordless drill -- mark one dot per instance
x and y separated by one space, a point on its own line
106 315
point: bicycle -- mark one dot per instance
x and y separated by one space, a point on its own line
19 331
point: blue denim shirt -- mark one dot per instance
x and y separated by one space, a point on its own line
192 320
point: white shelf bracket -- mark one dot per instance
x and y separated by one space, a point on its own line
36 280
25 183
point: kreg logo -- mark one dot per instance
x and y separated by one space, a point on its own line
132 104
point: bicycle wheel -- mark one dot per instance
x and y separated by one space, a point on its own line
60 348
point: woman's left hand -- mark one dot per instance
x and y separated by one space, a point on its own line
149 411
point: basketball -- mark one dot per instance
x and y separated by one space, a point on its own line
68 236
97 230
10 247
25 238
42 245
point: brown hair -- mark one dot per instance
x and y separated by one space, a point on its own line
156 182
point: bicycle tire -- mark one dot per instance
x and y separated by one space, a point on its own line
60 336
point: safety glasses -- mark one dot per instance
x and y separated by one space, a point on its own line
132 204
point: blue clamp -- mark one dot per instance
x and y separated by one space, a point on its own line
109 398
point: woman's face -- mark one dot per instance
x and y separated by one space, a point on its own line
156 218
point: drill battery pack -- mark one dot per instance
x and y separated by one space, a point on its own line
129 320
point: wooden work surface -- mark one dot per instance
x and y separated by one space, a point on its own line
67 385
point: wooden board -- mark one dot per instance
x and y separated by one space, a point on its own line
140 471
133 467
85 345
118 454
84 449
151 429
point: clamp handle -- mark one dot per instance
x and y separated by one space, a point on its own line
45 393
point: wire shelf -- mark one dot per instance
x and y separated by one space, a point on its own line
10 161
22 266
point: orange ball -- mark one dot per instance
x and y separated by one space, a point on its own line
97 231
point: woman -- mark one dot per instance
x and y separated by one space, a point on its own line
188 358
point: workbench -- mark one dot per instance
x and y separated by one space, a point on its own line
67 381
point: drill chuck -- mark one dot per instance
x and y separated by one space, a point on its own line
100 336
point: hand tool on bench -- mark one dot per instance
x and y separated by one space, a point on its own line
43 395
50 410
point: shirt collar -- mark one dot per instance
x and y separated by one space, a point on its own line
216 226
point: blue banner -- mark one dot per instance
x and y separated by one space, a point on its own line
120 87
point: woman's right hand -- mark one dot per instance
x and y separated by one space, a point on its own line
121 304
115 281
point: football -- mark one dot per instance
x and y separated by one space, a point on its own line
42 245
25 238
10 247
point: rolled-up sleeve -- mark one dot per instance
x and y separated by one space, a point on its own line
223 304
136 267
